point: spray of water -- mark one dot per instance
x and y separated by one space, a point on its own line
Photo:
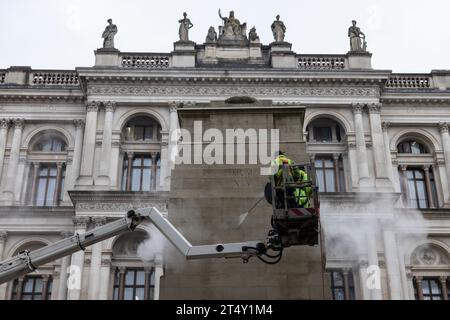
153 246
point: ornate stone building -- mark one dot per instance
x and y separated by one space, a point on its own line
80 147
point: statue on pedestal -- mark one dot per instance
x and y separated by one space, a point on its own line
278 29
211 37
185 25
108 35
253 36
356 37
232 26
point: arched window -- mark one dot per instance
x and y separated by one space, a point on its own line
141 143
133 278
142 128
411 146
47 159
50 144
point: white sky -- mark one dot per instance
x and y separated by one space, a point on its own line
403 35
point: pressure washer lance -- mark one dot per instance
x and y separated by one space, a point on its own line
243 216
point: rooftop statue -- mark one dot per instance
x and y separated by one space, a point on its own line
278 29
232 26
356 37
108 35
211 36
185 25
253 36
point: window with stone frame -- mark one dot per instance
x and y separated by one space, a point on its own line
140 172
134 278
36 287
325 130
329 173
133 284
412 147
142 128
47 158
342 285
418 187
431 288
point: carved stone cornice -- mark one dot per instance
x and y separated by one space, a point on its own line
99 221
79 123
374 108
4 123
230 90
92 106
357 108
3 236
443 127
18 123
110 106
80 222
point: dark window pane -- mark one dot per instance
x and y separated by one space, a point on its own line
139 295
128 294
129 277
140 277
322 134
136 180
339 294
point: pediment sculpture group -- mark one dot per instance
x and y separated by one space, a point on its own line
233 29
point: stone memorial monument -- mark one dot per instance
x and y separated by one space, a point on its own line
185 25
108 35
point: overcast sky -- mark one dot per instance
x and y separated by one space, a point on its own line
403 35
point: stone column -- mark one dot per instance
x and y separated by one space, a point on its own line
130 163
96 263
443 281
353 161
387 150
426 170
148 274
362 271
121 282
56 199
105 275
441 168
103 178
3 238
173 139
4 124
164 168
392 265
65 262
337 184
419 289
90 132
361 152
372 255
78 148
153 180
346 284
159 272
11 176
35 168
406 197
379 153
443 127
78 259
44 286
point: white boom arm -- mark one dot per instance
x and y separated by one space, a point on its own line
26 262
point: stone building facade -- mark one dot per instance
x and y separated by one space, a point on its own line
80 147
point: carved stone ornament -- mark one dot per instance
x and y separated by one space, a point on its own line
269 91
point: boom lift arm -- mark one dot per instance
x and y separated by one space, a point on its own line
26 261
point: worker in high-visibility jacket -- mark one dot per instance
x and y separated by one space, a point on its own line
295 174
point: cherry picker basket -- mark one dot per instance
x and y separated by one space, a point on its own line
297 222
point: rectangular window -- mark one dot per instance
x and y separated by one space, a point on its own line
137 284
431 289
46 184
32 289
417 192
144 172
322 134
325 173
342 285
